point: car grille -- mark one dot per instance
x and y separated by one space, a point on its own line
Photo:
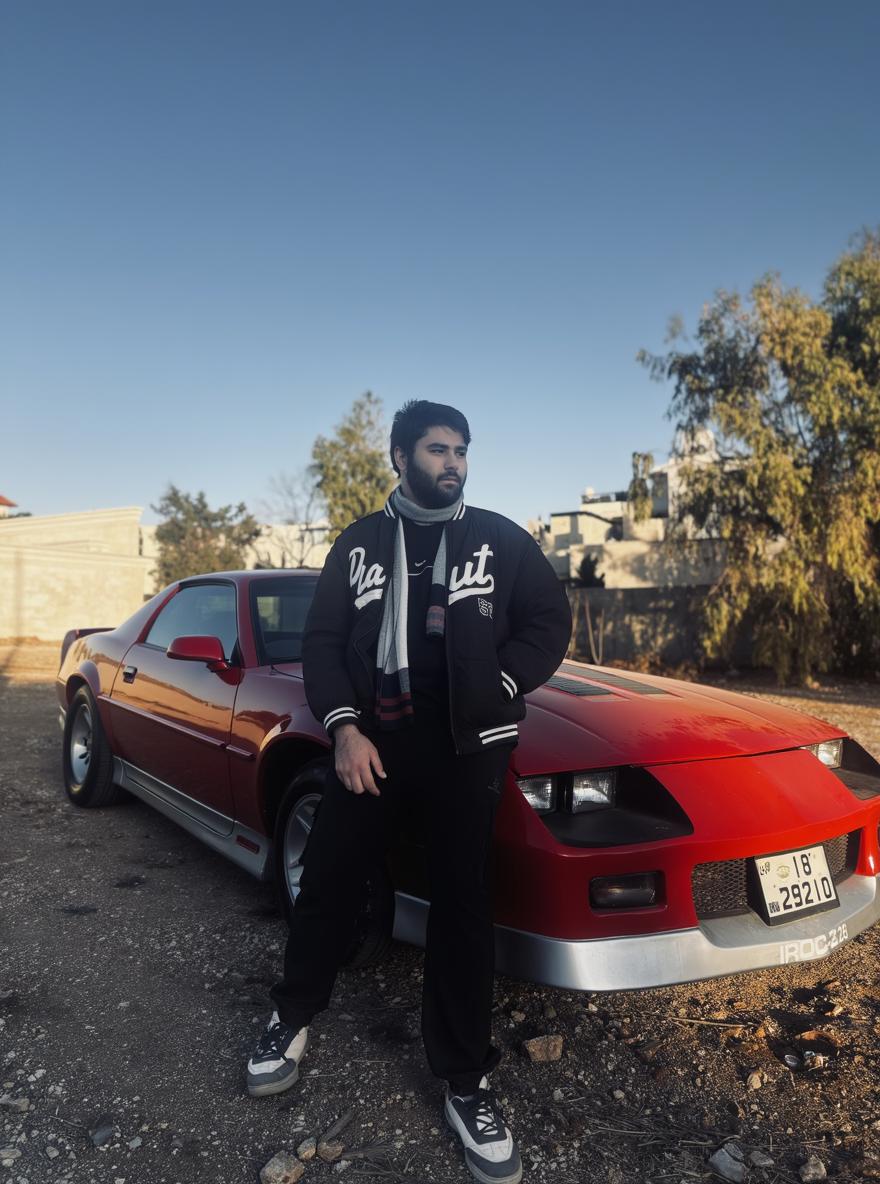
720 888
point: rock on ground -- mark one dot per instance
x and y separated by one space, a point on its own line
282 1168
727 1163
307 1148
544 1048
813 1169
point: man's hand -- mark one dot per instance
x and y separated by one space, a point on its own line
356 760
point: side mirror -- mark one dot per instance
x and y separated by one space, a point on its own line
199 649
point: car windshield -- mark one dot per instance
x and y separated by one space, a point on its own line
279 610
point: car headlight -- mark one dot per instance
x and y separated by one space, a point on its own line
828 752
593 791
539 792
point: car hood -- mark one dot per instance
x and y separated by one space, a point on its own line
594 717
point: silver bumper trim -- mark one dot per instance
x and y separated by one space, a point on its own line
725 945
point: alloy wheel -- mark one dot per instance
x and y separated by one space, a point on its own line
296 834
81 735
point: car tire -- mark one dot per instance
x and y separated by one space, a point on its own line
296 815
87 760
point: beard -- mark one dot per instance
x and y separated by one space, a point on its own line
428 492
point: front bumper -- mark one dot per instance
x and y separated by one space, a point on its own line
723 945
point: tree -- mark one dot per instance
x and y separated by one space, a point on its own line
297 503
193 538
588 576
639 492
351 468
791 388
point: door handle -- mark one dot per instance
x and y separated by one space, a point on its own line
128 673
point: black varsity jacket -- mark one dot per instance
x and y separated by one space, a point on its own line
508 624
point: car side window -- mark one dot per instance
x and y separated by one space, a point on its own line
200 610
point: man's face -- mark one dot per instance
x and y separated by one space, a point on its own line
434 476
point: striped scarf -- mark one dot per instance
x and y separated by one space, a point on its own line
394 706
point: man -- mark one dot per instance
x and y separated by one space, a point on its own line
430 621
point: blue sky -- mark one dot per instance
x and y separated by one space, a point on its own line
221 222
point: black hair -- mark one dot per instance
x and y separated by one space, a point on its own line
414 419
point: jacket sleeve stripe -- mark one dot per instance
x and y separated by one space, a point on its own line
490 733
510 733
337 715
509 685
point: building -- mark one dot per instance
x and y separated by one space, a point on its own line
627 553
95 568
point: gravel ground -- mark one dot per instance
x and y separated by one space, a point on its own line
133 972
852 706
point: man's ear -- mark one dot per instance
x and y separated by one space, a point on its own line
400 458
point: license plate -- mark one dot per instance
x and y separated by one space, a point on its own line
794 884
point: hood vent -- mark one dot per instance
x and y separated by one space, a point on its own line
613 680
574 686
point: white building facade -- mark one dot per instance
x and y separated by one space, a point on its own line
635 554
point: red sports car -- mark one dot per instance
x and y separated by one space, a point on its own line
651 831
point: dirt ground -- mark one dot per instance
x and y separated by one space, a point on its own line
852 706
134 965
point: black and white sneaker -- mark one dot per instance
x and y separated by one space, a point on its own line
274 1066
489 1150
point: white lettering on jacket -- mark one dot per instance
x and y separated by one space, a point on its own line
365 581
473 581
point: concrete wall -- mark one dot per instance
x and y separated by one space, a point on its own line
65 571
637 623
641 563
109 532
642 623
631 563
44 591
630 554
591 525
650 530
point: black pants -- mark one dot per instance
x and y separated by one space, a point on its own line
457 797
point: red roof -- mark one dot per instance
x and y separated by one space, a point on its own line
4 501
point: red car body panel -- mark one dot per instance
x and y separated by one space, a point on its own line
270 710
735 766
685 724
